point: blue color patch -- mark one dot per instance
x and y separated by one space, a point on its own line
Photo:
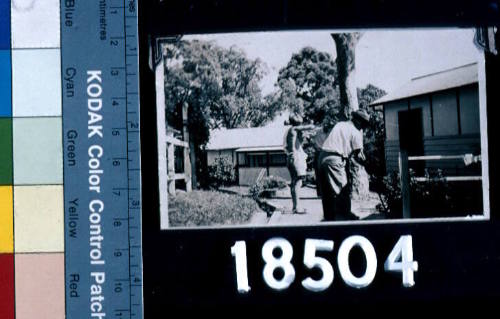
4 24
5 84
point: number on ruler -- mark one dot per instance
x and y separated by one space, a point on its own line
131 6
118 287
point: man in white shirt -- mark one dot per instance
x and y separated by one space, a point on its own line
344 142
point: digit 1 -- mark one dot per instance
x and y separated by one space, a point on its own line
239 252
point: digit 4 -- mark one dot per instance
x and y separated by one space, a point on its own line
401 260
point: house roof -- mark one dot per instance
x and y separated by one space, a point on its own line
442 80
242 138
262 149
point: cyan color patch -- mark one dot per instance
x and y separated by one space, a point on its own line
5 83
4 24
37 151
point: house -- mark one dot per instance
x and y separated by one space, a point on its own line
253 151
434 114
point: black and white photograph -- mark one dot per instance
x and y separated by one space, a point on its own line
292 128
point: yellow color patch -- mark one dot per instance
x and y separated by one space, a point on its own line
39 217
6 220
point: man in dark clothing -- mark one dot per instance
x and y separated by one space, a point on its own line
344 142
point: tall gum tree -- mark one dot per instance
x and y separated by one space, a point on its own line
345 44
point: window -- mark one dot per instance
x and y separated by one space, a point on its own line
445 113
257 160
242 159
469 110
277 159
391 118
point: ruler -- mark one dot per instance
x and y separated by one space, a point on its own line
101 141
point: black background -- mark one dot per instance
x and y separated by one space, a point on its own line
459 262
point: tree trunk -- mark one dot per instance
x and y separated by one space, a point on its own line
346 70
345 44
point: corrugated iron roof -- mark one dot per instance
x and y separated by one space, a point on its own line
253 137
262 149
443 80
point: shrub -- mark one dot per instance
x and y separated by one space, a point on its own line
274 182
431 198
267 186
221 173
206 208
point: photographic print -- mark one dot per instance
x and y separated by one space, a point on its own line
296 128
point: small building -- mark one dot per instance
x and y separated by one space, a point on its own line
434 114
254 151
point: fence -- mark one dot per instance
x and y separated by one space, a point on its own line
405 173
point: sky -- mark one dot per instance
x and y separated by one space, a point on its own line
385 58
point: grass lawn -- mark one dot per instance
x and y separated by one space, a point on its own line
210 208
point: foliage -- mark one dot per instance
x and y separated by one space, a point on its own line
220 85
206 208
431 198
221 173
267 186
374 135
307 85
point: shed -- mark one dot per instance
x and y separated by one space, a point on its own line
253 151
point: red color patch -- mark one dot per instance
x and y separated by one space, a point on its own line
7 286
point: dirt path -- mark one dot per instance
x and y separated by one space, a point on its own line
309 200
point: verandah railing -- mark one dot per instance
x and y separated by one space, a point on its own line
405 173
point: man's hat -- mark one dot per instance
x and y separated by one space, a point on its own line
362 116
295 119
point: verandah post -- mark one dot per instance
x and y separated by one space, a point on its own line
404 174
187 159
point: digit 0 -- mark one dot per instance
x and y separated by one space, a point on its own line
343 261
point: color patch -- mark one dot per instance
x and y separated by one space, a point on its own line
39 218
6 215
4 24
37 151
40 286
5 151
35 24
6 286
36 82
5 83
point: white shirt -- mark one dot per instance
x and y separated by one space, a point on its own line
343 139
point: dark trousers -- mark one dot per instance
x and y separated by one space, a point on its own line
335 206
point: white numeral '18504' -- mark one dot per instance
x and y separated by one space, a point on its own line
399 260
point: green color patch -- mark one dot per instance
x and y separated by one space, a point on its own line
5 151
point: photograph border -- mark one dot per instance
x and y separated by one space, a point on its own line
157 66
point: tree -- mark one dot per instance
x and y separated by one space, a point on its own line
219 85
222 83
307 85
345 44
